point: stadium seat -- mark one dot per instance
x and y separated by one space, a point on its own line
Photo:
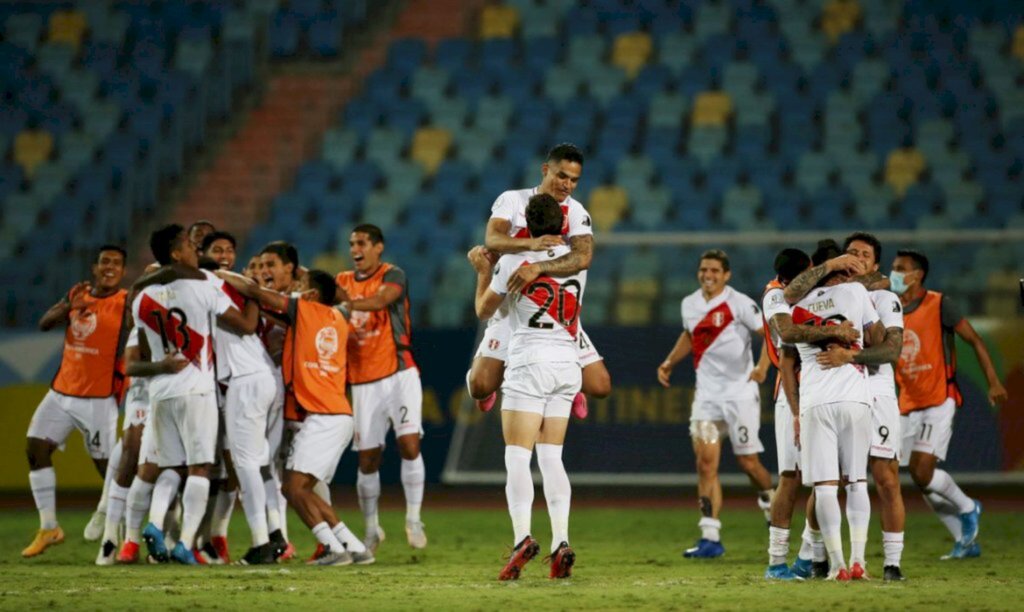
631 52
31 148
839 17
902 168
430 147
498 21
711 108
606 205
67 27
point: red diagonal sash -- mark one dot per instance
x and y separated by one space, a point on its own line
562 305
708 330
170 326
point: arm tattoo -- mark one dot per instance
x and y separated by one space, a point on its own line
886 352
803 283
870 280
792 333
572 262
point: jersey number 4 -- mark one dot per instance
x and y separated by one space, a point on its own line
567 311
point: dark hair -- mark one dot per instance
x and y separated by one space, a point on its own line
112 247
827 249
919 259
544 217
214 236
286 251
374 232
201 222
323 283
789 263
165 240
208 263
718 255
865 237
565 151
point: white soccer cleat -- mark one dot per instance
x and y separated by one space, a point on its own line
94 529
107 554
415 534
373 539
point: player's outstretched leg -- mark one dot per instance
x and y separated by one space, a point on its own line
558 494
830 518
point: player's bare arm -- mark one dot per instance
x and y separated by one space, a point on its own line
760 372
574 261
791 333
679 352
789 358
137 361
58 313
886 351
167 274
873 281
498 241
267 298
996 392
386 295
486 302
809 279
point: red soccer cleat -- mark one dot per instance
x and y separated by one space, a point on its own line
522 554
200 556
562 561
129 552
220 544
316 554
857 572
579 406
841 575
487 403
288 554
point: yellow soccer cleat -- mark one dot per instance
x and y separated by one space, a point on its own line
44 539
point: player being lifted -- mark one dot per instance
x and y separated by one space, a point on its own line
542 379
83 393
385 382
717 326
507 233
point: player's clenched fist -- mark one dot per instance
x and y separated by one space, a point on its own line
481 258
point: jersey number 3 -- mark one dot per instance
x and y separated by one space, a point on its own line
176 323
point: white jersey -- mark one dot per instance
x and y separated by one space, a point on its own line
774 303
237 356
890 312
176 319
720 330
833 306
138 384
544 318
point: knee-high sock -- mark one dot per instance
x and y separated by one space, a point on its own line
164 490
115 511
193 504
282 505
892 546
323 491
254 502
830 519
519 490
223 506
139 495
858 515
324 535
946 511
348 539
942 484
778 545
275 520
557 491
811 546
44 492
368 487
414 474
108 477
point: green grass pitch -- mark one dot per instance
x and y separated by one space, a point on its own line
628 558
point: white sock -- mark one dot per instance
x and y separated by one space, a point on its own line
892 546
710 528
254 502
414 474
368 487
858 515
348 539
807 540
108 477
44 491
324 535
946 511
223 506
193 504
323 491
139 495
942 484
164 490
274 521
830 519
115 511
519 490
282 504
778 545
557 491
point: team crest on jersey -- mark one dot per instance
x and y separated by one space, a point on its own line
327 343
83 324
718 318
493 344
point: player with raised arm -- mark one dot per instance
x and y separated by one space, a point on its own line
929 394
542 379
507 233
385 382
717 325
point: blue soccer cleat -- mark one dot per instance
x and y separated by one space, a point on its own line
154 539
802 568
780 572
183 555
969 525
705 549
963 552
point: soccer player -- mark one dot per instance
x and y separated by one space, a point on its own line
254 268
541 382
314 367
929 395
82 394
177 318
717 326
198 231
507 233
386 389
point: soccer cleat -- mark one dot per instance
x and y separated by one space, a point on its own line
129 553
154 539
781 572
579 406
820 569
704 549
264 554
969 525
802 568
523 553
840 575
487 403
44 539
329 557
183 555
220 545
963 552
316 553
373 539
201 557
107 554
288 554
892 573
415 534
94 528
208 554
562 561
363 558
857 572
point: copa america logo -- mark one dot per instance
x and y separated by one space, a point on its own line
327 343
83 324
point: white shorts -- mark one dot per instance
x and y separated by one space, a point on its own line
885 428
739 419
57 415
246 408
834 440
547 389
186 430
928 431
395 401
275 418
785 439
136 406
496 337
317 447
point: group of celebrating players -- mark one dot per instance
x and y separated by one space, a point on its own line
238 389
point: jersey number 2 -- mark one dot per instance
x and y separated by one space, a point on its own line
554 292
